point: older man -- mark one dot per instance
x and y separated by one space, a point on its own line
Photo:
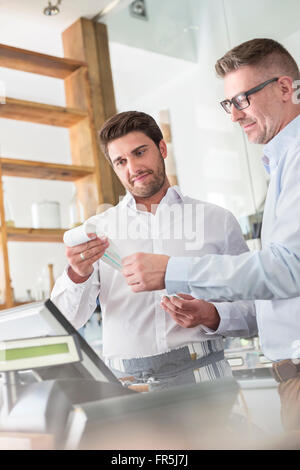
260 77
140 339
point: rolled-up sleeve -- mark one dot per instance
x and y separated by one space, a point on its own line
77 302
237 319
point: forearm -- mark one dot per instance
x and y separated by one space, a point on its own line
77 301
272 273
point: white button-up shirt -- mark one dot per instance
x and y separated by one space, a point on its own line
272 274
134 324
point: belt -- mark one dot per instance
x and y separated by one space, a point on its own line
285 370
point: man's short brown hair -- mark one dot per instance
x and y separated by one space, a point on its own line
128 121
266 54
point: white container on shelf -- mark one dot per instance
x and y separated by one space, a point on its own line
46 214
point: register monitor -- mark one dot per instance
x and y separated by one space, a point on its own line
46 367
80 401
44 319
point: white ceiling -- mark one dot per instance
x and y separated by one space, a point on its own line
70 10
173 27
23 24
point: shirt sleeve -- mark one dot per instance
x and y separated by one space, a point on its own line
272 273
77 302
237 319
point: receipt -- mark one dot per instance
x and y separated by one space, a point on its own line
78 235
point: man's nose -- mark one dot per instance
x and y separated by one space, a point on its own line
236 114
132 167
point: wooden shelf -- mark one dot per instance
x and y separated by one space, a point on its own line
49 171
40 113
34 62
16 304
25 302
50 235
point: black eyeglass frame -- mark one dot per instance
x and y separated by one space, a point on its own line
233 101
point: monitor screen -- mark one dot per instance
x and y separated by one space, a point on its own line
44 319
42 351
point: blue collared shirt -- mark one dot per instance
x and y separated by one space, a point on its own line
271 275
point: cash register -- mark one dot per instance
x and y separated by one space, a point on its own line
53 382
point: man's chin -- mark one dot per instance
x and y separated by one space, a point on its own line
255 139
145 191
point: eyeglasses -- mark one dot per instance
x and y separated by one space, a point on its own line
241 100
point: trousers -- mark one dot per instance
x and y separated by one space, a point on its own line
289 392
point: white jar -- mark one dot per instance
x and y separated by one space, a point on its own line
46 214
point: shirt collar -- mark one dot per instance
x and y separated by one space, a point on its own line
172 195
277 147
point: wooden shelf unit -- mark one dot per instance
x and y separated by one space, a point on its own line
39 113
43 170
89 102
27 234
34 62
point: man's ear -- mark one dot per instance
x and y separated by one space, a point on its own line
163 148
286 88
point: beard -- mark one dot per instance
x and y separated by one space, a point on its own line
156 181
262 138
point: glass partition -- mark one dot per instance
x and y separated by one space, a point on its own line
163 55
